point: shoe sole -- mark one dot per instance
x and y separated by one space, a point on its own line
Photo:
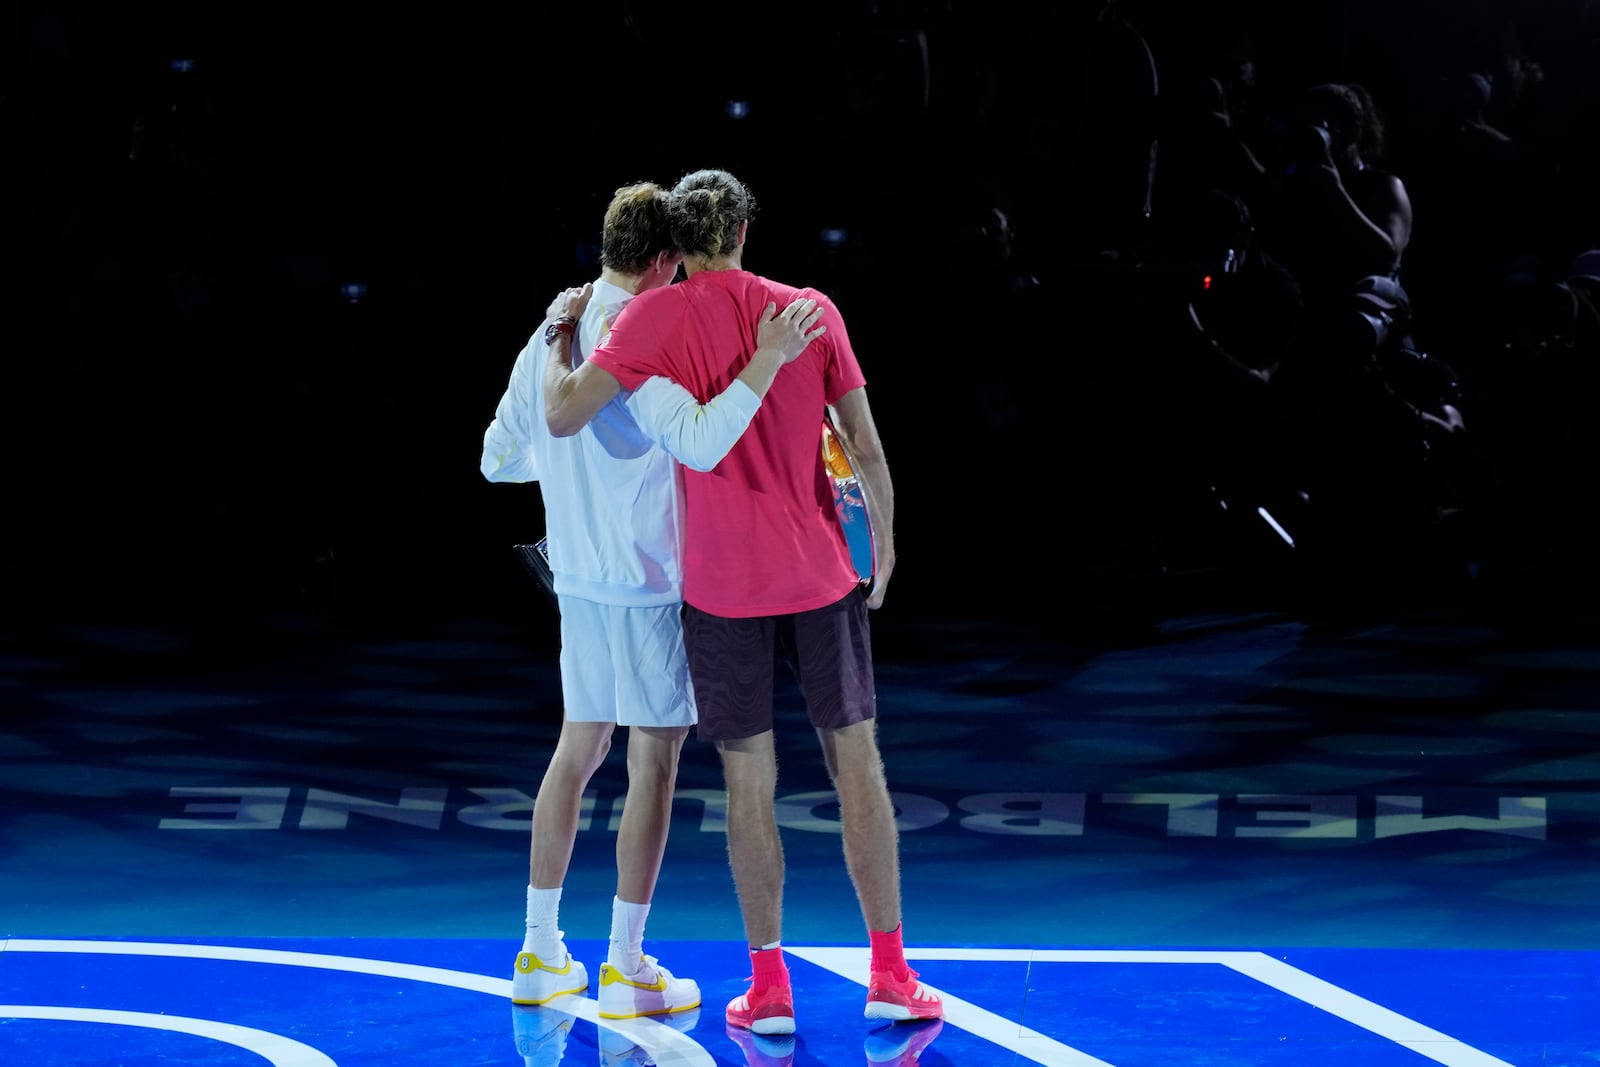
611 978
878 1009
647 1014
546 1000
771 1025
535 1003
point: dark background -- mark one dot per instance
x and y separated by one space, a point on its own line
198 415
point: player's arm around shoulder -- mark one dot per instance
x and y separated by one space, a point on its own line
571 396
695 434
781 337
700 435
508 454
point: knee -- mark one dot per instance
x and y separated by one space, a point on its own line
750 781
853 748
581 752
654 753
597 751
857 771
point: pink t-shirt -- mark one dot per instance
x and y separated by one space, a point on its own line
761 534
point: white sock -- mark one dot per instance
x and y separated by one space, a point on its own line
543 936
627 935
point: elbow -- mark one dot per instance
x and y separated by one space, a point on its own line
697 458
561 425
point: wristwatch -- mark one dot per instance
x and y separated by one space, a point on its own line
566 324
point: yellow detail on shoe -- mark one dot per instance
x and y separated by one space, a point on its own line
567 979
609 975
527 963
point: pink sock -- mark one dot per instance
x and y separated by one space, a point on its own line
888 954
768 968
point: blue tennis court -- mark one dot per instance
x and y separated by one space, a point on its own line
1238 839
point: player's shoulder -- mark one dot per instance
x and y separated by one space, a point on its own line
658 305
782 293
662 297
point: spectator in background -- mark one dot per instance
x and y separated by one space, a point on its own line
1470 174
1583 278
1470 96
985 261
1242 325
1517 84
1202 149
1337 216
1539 442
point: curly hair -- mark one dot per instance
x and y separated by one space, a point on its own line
707 208
1353 116
638 225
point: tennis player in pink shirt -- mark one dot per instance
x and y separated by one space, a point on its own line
768 572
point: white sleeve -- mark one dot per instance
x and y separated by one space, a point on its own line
695 434
507 452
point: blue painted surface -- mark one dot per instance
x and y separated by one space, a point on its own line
1517 1008
1025 770
1404 808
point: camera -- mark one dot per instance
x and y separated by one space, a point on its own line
1308 146
1380 313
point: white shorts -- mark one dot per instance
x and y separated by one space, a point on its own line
625 665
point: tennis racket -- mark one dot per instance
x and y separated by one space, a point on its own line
849 503
535 559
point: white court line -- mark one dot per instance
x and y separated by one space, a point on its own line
1364 1013
853 964
674 1049
276 1049
669 1047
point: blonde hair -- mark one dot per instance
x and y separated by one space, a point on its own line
707 208
638 225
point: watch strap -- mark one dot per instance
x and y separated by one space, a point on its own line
566 324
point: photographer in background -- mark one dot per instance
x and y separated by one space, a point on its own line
1334 216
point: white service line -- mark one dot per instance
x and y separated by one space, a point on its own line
669 1047
1423 1040
854 963
276 1049
1287 979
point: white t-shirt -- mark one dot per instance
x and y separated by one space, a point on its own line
613 494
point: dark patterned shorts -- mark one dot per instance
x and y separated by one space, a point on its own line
731 666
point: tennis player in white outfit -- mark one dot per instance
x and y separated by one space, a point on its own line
613 504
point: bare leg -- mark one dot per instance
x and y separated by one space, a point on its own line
755 851
871 840
579 753
647 812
